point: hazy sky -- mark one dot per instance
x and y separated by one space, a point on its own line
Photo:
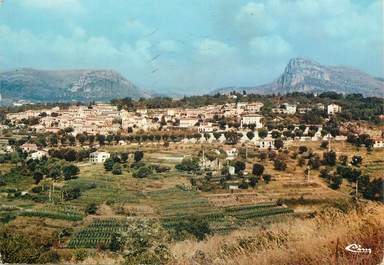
190 46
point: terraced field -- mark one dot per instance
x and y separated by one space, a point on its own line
176 206
98 233
57 211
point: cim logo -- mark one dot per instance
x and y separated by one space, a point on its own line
355 248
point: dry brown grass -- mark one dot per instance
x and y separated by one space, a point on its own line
320 240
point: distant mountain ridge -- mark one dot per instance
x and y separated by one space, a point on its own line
66 85
304 75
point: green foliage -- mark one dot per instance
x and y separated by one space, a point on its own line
279 164
138 155
239 166
329 158
314 162
253 181
231 137
17 247
70 171
116 242
356 160
263 132
372 190
194 225
116 169
143 172
188 164
335 182
278 143
71 193
38 176
267 178
257 169
108 164
91 208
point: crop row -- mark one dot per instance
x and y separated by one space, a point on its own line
178 218
53 215
200 202
248 207
262 213
87 243
62 209
98 232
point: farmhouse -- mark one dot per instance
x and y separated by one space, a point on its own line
333 109
254 107
27 147
38 155
285 108
99 157
379 143
231 153
252 119
187 122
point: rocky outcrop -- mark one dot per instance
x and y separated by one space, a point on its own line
304 75
66 85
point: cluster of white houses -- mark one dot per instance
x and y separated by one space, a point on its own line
107 119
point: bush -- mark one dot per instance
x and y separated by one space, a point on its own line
257 169
195 226
143 172
253 181
279 164
80 254
71 193
116 242
37 189
267 178
324 145
314 162
243 185
188 164
91 208
160 168
116 170
329 158
70 171
356 160
303 149
138 155
108 164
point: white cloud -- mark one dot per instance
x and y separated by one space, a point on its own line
253 18
213 48
168 46
58 5
270 46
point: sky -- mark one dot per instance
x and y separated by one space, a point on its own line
189 47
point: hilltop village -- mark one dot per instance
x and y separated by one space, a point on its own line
95 177
207 124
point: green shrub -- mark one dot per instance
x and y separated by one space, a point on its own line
143 172
91 208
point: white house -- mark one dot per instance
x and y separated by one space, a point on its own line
231 153
250 119
98 157
231 170
27 147
188 122
285 108
379 143
254 107
333 109
38 155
